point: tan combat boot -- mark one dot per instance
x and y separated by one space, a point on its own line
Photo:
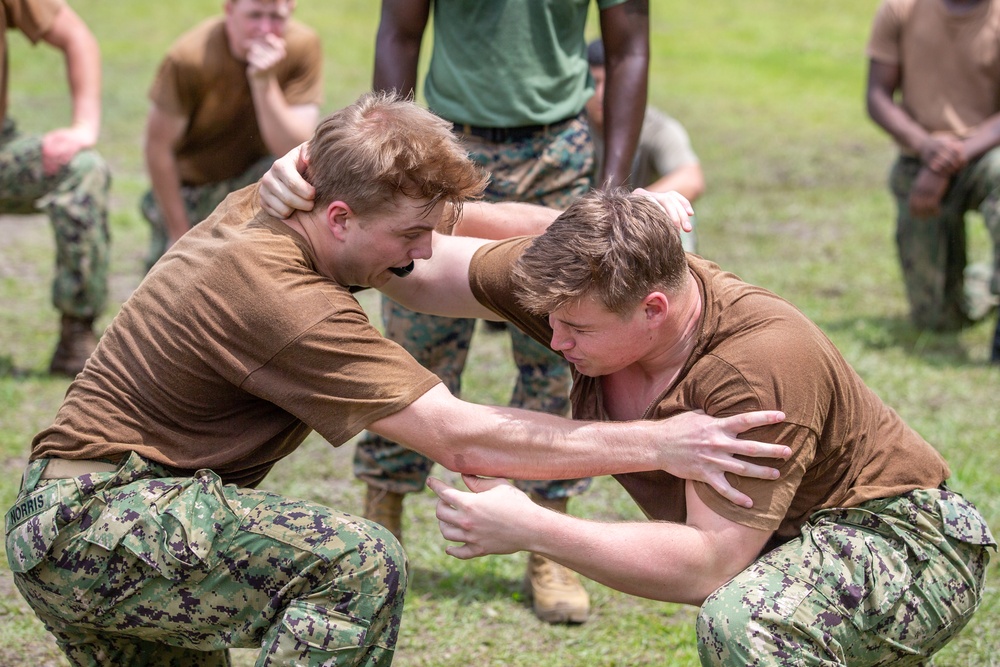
556 592
386 508
76 343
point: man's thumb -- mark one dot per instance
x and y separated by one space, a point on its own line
479 484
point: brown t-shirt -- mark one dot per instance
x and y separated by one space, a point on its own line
231 349
950 62
755 351
33 18
201 80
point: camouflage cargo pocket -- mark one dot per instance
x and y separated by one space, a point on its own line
865 566
32 525
173 525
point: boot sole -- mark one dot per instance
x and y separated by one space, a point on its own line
556 616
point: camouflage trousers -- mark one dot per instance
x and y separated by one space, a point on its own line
137 567
944 293
886 583
75 199
199 202
551 169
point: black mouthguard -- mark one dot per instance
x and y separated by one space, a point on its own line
403 271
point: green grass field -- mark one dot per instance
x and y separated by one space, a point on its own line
772 94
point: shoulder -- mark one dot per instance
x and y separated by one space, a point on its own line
658 123
301 40
32 17
895 12
749 327
190 46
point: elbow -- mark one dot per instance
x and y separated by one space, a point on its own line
467 460
874 105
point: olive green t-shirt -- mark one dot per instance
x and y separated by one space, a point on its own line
228 353
755 351
511 63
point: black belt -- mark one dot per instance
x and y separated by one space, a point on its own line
508 135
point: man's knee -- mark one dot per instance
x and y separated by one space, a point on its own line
720 621
92 171
82 189
354 610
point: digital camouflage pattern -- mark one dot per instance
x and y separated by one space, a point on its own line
199 202
551 169
75 199
887 583
944 293
139 567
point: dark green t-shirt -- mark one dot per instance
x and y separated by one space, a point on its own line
509 63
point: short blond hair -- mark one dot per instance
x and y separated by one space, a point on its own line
383 145
612 245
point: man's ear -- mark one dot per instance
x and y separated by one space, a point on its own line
656 306
338 215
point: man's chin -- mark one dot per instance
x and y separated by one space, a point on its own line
583 368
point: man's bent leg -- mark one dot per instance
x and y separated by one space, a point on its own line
886 583
932 257
983 186
192 564
342 609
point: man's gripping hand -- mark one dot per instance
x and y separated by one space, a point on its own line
283 190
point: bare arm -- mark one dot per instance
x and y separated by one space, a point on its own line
440 285
163 131
503 220
397 44
677 562
82 55
283 126
625 33
687 180
508 442
883 81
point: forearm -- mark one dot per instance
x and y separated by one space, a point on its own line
166 186
397 45
622 125
83 70
687 180
508 442
662 561
985 139
504 220
282 126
